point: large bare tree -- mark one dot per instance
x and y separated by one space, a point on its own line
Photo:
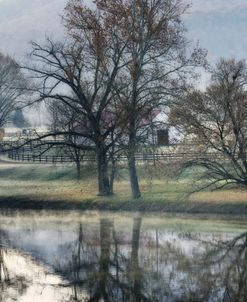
80 74
157 64
121 60
216 120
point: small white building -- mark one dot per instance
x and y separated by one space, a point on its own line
159 132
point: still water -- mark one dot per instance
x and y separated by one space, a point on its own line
48 256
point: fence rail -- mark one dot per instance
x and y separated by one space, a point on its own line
48 159
7 145
175 156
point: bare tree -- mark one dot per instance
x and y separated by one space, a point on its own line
122 59
79 74
12 86
216 120
158 65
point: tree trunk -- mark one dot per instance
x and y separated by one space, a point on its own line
103 178
133 176
132 161
112 175
78 169
113 163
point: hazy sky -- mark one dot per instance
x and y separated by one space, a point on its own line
24 20
219 25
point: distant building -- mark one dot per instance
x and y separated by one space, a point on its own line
153 130
13 133
157 130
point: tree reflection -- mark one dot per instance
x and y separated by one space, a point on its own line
102 279
136 266
232 256
102 266
135 276
88 268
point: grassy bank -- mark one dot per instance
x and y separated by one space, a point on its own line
55 187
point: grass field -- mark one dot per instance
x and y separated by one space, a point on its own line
56 186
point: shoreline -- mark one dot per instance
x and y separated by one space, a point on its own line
161 207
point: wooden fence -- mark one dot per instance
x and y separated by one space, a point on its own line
50 159
46 159
26 153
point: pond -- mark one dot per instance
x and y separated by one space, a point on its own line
72 256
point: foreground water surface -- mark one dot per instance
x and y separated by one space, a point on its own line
48 256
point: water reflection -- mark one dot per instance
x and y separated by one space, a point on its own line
232 255
104 262
179 267
12 285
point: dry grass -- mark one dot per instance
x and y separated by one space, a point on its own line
233 195
48 190
58 184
